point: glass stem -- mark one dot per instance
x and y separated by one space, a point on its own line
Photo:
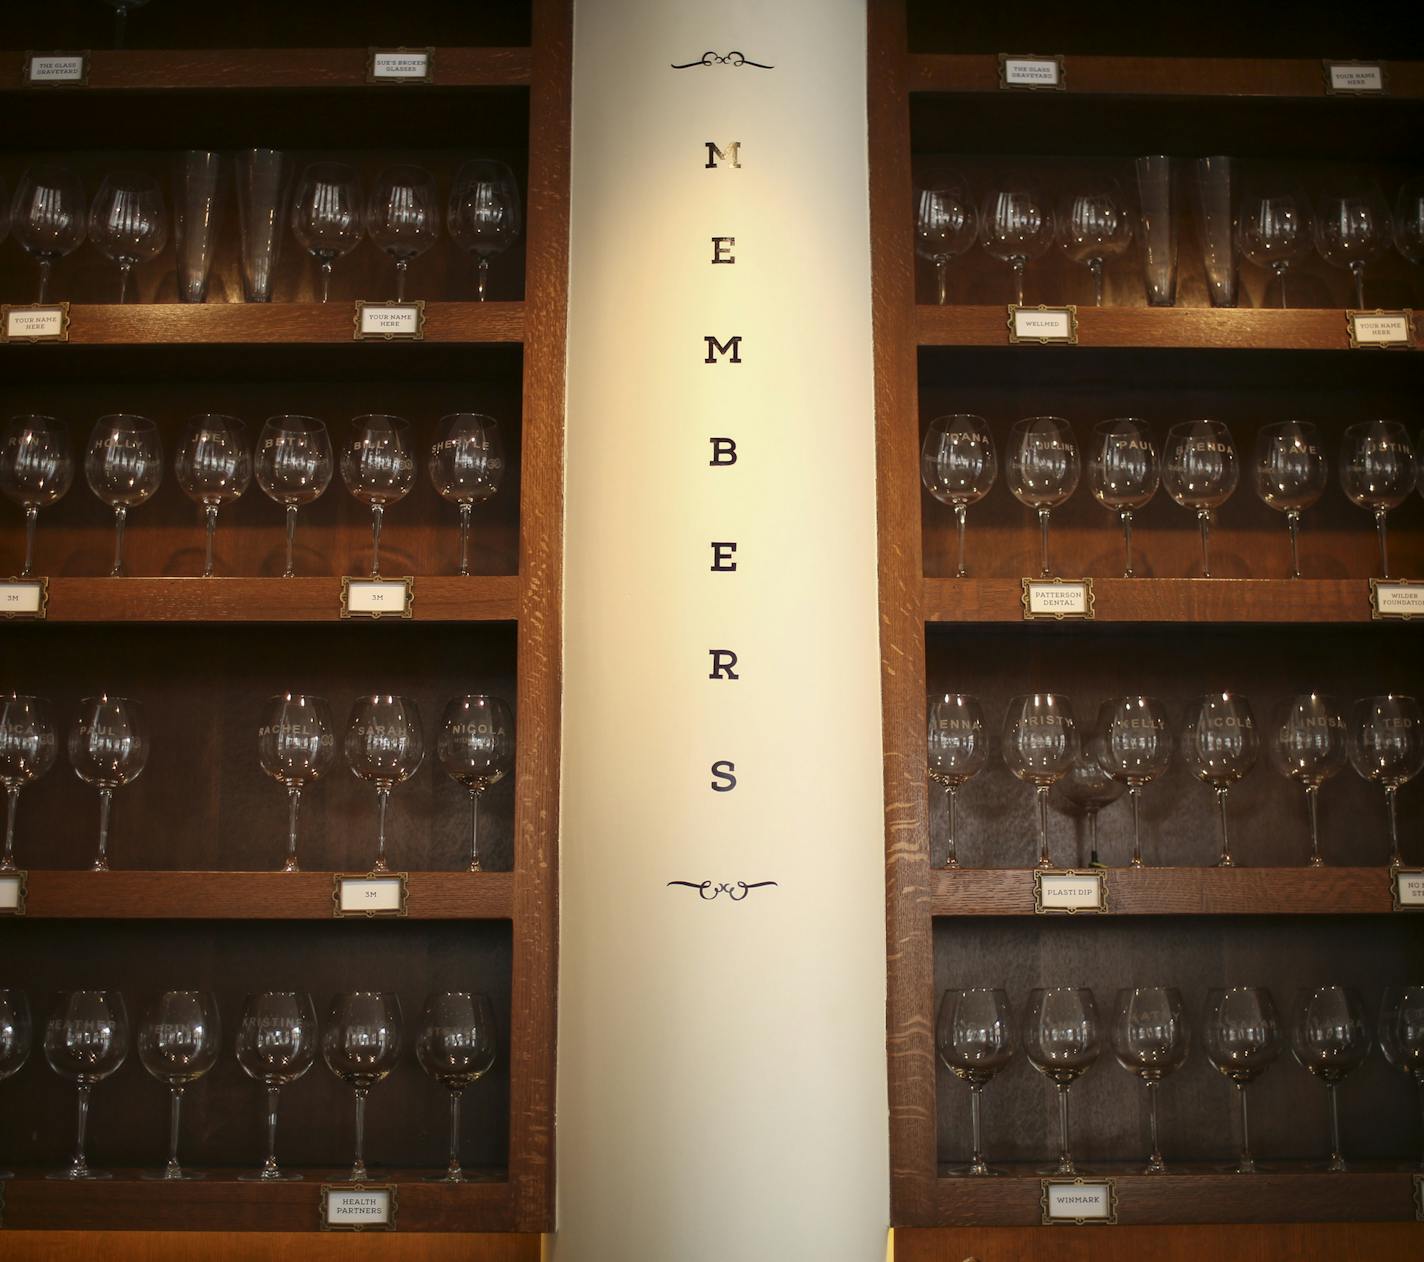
1312 792
1044 570
474 830
358 1166
121 514
80 1164
1096 267
12 804
1390 792
210 514
106 800
294 806
481 277
1337 1158
382 795
1280 271
378 512
46 266
942 276
465 538
269 1167
1134 794
1092 838
120 14
326 280
1246 1165
291 539
952 793
1225 861
1018 262
1204 522
124 270
453 1171
175 1107
402 266
1126 516
1357 270
1154 1158
976 1162
1065 1155
1293 525
32 516
1043 859
1382 530
961 515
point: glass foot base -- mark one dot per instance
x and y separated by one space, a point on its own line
1069 1170
261 1176
162 1176
79 1175
975 1172
1254 1168
445 1178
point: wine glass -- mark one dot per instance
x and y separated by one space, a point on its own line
1330 1038
476 748
378 469
123 466
16 1034
47 216
1062 1038
86 1040
1136 748
1219 745
484 213
1043 469
121 12
1242 1039
128 222
1016 225
1409 221
466 466
293 467
958 465
1093 225
1123 472
28 746
1199 471
361 1044
1291 473
214 466
276 1044
946 223
1150 1039
1401 1036
296 744
975 1040
456 1047
178 1042
108 746
1377 471
326 215
36 469
1387 748
384 747
1351 229
1274 230
403 217
1309 747
958 751
1088 787
1040 742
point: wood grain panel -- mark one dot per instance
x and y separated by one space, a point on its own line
157 1246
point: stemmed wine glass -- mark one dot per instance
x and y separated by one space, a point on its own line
86 1040
466 466
958 465
1291 473
296 744
361 1044
28 747
326 215
1043 469
1377 471
403 217
1409 221
1040 742
456 1047
121 12
476 748
48 216
1016 225
1309 747
16 1034
384 747
1062 1038
1242 1039
293 467
178 1042
958 751
1093 225
1330 1038
1150 1039
1123 472
484 213
946 224
276 1044
1219 744
1387 747
974 1035
36 470
1274 230
128 222
1089 787
123 466
1199 471
108 746
1136 748
213 465
1351 229
378 469
1401 1036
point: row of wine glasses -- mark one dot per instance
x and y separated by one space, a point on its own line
1242 1035
215 462
179 1038
1198 467
1130 745
296 744
330 213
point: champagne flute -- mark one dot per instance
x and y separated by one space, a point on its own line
1291 473
974 1035
128 222
1150 1039
1353 228
213 465
1409 221
361 1044
296 744
28 747
958 465
1093 225
476 748
1043 470
1309 747
1377 471
1123 472
48 217
178 1042
1063 1039
16 1035
326 215
958 751
108 746
123 466
86 1040
293 467
1040 742
466 466
1219 744
276 1044
1016 225
384 747
456 1047
946 224
1199 471
1242 1039
1136 748
378 469
1274 229
1330 1038
1089 787
1401 1036
403 217
484 214
36 470
1387 748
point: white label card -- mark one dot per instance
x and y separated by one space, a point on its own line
1058 599
36 324
1397 600
55 68
1043 324
376 597
371 895
355 1208
401 65
390 320
1032 72
11 887
1078 1202
1380 328
1409 889
20 598
1068 891
1352 78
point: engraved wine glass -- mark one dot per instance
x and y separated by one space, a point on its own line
456 1047
213 465
1352 229
16 1035
1291 473
466 466
1040 742
1274 229
1377 471
28 746
958 751
1094 224
958 465
1199 472
123 466
276 1044
476 748
384 747
1123 472
403 217
484 214
1219 744
378 468
48 217
1150 1039
1242 1039
36 470
1016 225
108 746
296 744
1401 1036
1309 746
1088 787
1136 748
86 1040
1043 469
361 1044
1330 1038
975 1038
946 223
178 1042
128 222
293 467
1062 1038
1387 748
326 215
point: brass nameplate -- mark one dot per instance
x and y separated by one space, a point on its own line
400 65
56 70
1028 72
1355 78
1057 598
1396 598
389 321
12 893
1079 1202
377 597
35 323
1046 326
24 597
1068 892
370 894
1406 887
358 1207
1380 330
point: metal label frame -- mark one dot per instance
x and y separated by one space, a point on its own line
22 883
1069 309
1088 615
418 336
1406 313
396 81
377 614
1040 910
1396 903
328 1188
1043 1203
41 613
1332 90
61 307
31 53
1056 58
395 913
1376 583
